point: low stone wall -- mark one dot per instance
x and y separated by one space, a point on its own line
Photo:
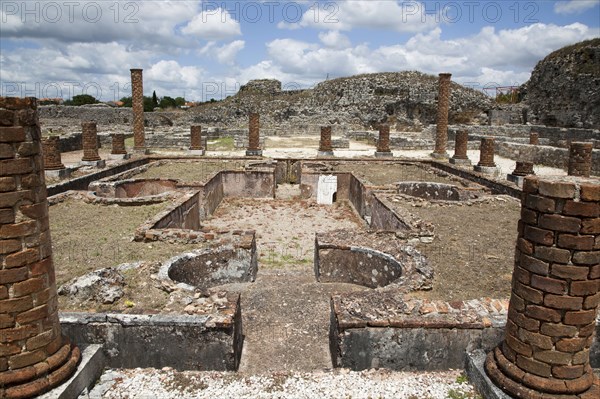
248 184
543 155
184 214
212 195
129 341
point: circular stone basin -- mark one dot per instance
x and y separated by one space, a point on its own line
209 268
435 191
143 187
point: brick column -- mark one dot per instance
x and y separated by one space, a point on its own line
34 356
51 153
118 144
486 157
325 147
137 96
383 143
534 138
460 148
441 135
580 159
254 136
522 169
90 142
554 299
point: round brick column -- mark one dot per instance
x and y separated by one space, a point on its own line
486 153
254 136
118 144
554 300
90 142
580 159
383 144
441 134
137 97
523 168
34 356
534 138
460 146
325 142
51 153
196 137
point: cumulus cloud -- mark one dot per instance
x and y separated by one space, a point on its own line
213 25
334 39
574 6
504 57
409 16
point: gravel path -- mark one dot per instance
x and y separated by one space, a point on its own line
337 384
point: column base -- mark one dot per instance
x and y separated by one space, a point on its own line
487 170
196 152
63 173
119 156
96 164
439 156
41 377
254 153
141 151
325 154
460 161
556 387
383 154
518 180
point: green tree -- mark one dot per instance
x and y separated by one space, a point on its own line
154 99
167 102
180 101
148 105
127 102
81 99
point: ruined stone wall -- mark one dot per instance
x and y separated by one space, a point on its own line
183 215
253 184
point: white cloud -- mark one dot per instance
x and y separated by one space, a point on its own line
213 25
408 16
334 39
226 54
574 6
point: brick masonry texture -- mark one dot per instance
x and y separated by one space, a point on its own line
34 356
523 168
90 141
118 144
441 135
534 138
196 137
137 96
51 152
460 147
486 155
554 300
383 144
254 132
580 159
325 142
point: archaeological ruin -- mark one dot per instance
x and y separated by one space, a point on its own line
273 232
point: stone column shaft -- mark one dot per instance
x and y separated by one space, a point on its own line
460 146
51 152
254 135
441 135
383 144
196 137
137 97
118 144
34 355
90 141
554 300
486 152
523 168
325 142
580 159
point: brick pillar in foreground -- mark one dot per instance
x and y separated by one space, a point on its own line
441 135
460 148
90 142
254 136
554 301
51 153
325 147
137 97
118 144
534 138
34 356
383 143
580 159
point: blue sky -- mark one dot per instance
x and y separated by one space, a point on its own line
205 49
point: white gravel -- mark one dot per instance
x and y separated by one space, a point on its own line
341 383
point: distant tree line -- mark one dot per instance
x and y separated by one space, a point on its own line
150 103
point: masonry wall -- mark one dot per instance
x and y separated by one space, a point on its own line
248 184
212 195
183 216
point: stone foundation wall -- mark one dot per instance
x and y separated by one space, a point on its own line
185 214
248 184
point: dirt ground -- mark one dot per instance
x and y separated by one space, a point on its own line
473 250
81 244
190 171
